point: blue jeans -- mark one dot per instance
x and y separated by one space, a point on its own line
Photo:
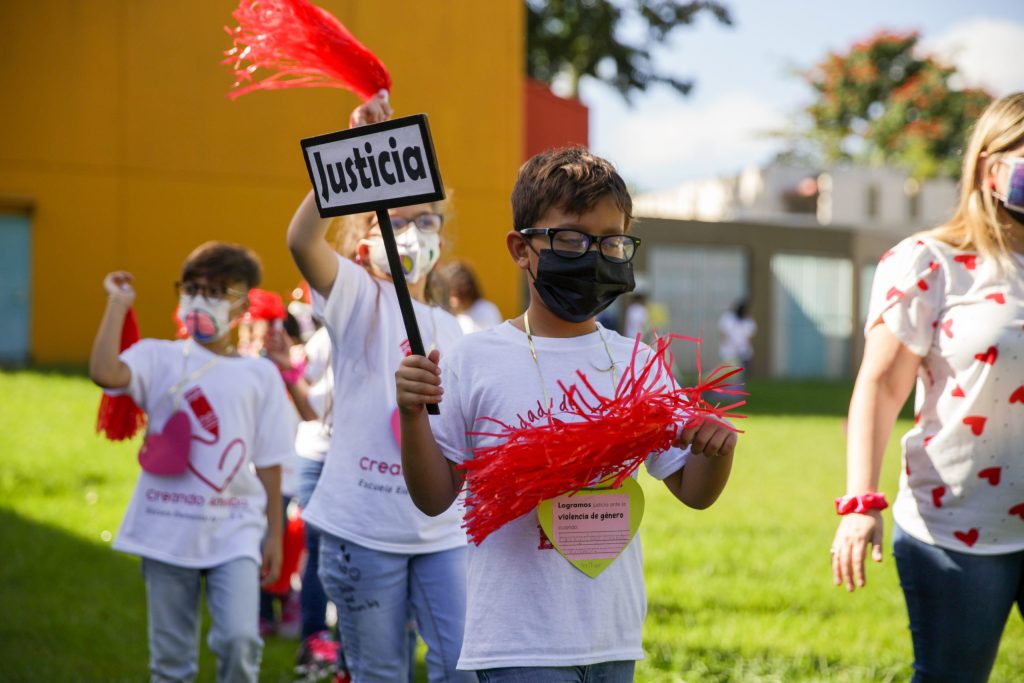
958 605
312 599
374 592
172 600
605 672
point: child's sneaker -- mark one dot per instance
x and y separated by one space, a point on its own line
317 657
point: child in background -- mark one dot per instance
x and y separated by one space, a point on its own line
466 301
220 520
380 557
531 615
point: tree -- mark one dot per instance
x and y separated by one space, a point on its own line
577 38
882 102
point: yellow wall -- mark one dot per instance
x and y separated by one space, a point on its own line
116 135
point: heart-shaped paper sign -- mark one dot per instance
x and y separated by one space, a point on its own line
592 527
165 453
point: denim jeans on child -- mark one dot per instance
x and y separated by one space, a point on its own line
605 672
312 599
373 591
958 606
172 602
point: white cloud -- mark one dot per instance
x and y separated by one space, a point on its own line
666 139
986 51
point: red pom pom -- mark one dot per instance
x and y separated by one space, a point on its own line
611 438
264 305
118 417
304 46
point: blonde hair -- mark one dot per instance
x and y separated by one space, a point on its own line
979 223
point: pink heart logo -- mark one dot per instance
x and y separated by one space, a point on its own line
1018 510
947 327
997 297
937 493
976 423
1018 395
992 474
166 453
227 466
968 538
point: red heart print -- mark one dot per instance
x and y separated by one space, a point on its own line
958 391
992 474
989 356
893 293
976 423
968 538
997 297
1018 510
937 493
969 260
922 285
227 466
947 327
1018 395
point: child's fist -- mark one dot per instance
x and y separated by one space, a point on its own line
708 437
374 110
118 286
418 382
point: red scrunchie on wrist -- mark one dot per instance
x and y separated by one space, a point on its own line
292 375
860 504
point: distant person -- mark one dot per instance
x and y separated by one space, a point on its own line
637 317
945 312
466 300
737 328
194 521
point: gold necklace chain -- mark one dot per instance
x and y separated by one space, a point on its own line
536 363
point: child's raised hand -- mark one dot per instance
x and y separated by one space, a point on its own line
708 437
374 110
418 382
119 287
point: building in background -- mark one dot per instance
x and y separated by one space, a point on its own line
800 244
119 149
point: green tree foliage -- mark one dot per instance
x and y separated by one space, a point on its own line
883 102
577 38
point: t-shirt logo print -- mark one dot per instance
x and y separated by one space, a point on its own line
215 474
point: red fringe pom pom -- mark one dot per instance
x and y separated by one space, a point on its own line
304 46
118 417
264 305
612 438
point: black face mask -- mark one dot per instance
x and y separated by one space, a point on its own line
578 289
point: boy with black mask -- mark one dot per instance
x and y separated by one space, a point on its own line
531 614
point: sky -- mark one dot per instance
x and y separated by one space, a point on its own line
744 84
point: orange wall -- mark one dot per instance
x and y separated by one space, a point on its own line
115 134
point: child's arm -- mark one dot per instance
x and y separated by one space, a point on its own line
315 258
432 479
270 477
106 368
699 483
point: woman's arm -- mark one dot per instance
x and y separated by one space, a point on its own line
884 381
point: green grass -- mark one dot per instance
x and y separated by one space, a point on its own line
739 592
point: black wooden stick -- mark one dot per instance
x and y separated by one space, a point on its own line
412 330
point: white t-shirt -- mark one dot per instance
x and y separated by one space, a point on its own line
527 605
636 320
736 334
313 438
241 418
361 495
481 315
962 485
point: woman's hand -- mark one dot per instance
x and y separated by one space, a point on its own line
418 382
856 531
374 110
119 287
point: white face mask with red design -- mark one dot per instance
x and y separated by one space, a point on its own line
419 252
205 320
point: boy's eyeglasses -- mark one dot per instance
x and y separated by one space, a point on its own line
427 222
210 292
570 243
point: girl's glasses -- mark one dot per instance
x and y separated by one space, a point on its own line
426 222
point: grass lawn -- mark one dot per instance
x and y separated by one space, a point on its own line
740 592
